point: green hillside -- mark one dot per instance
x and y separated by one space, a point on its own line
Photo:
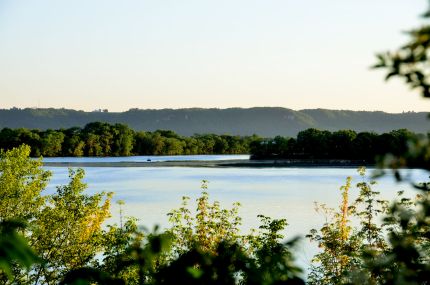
264 121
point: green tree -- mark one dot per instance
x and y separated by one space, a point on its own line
99 139
141 143
173 146
157 144
21 183
273 262
51 143
9 138
64 228
123 140
313 143
67 233
210 225
280 146
31 138
117 242
342 144
339 247
73 144
364 147
193 146
207 143
92 145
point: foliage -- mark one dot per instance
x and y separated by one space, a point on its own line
14 250
363 148
103 139
116 241
67 233
230 265
390 244
273 261
211 240
136 258
206 247
404 260
64 228
339 247
343 246
21 183
411 61
210 225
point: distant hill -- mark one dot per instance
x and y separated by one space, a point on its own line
264 121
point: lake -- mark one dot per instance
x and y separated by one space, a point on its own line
147 158
151 192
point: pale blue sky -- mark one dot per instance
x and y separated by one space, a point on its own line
88 54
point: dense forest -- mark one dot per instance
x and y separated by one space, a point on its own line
263 121
103 139
343 144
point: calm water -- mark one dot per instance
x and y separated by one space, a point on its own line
145 158
150 193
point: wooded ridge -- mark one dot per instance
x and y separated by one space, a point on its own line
263 121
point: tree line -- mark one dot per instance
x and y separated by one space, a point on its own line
104 139
343 144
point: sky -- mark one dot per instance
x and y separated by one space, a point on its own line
117 55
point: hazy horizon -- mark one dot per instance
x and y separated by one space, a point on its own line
207 108
88 55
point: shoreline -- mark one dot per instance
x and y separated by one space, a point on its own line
241 163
